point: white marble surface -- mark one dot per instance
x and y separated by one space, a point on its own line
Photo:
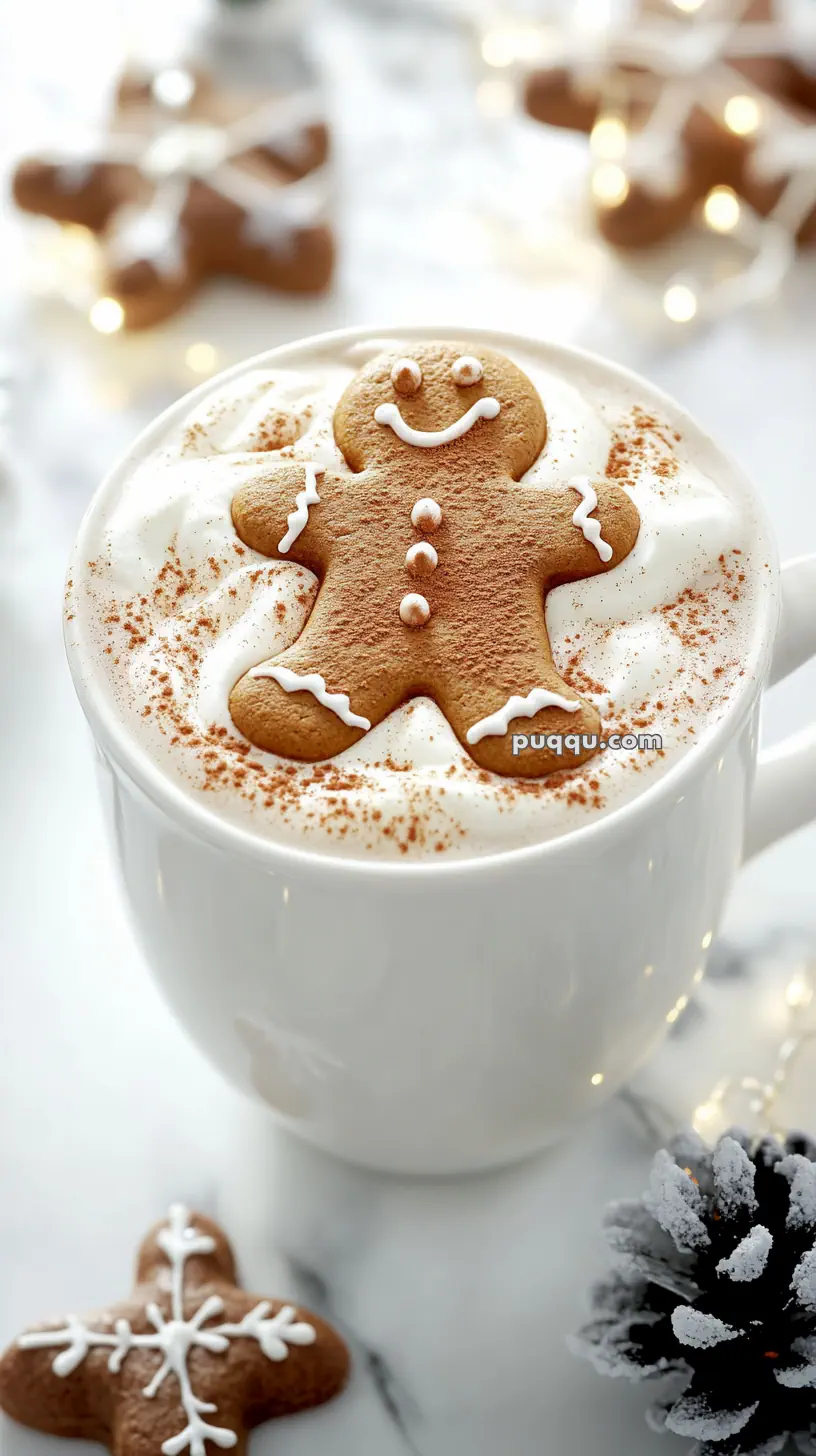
456 1296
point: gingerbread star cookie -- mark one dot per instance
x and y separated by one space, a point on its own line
188 1363
435 561
692 103
193 179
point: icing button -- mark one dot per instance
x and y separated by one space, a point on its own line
467 371
406 377
414 610
426 515
421 559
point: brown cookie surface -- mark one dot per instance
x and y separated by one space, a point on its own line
190 1362
434 562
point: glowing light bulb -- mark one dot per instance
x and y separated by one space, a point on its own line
201 358
689 6
506 44
495 49
721 209
648 972
680 1005
679 304
707 939
74 232
107 316
703 1114
173 88
610 184
495 98
608 137
698 975
742 115
596 1079
798 991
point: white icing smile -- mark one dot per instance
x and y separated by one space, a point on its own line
388 414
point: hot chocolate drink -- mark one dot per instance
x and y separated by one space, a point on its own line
419 597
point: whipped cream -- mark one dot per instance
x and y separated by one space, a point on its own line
168 609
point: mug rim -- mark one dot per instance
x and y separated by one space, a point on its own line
219 833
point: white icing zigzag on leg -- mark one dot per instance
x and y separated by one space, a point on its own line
295 682
498 723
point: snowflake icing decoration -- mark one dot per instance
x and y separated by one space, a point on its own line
173 1338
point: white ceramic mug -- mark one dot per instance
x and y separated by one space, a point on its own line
438 1017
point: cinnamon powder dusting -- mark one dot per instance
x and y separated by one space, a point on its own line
641 443
323 795
166 632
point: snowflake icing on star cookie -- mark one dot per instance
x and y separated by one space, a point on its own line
170 1323
193 178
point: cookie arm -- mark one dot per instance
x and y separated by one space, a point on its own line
583 528
619 520
284 514
32 1393
312 1373
69 192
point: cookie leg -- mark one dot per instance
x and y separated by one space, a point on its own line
300 262
147 267
226 238
553 97
489 721
312 701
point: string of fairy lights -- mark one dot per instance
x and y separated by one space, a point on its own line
691 50
776 1018
758 1101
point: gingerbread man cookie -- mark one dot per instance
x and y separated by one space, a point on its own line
189 1363
435 562
192 180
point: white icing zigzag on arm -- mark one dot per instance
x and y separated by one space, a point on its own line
295 682
498 723
305 498
581 517
483 409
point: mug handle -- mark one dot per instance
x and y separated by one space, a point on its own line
784 795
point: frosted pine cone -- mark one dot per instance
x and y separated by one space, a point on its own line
716 1287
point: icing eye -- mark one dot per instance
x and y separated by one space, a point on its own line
466 371
406 376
